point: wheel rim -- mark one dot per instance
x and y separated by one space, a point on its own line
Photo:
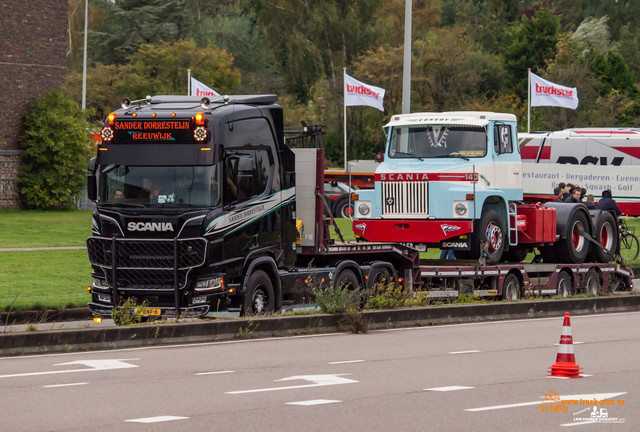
347 211
260 300
606 236
494 237
591 285
511 290
578 238
563 287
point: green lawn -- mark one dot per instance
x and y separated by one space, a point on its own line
44 279
58 278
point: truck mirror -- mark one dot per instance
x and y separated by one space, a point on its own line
245 187
92 187
92 190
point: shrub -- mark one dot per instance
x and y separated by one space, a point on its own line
55 143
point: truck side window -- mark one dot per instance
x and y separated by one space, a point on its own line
502 139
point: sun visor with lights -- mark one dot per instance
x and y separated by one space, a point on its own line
155 130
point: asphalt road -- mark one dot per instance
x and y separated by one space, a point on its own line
477 376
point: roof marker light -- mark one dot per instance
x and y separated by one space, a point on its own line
200 119
112 118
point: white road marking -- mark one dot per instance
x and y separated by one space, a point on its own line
156 419
346 362
464 352
559 377
215 373
94 365
578 424
65 385
448 388
567 397
317 380
314 402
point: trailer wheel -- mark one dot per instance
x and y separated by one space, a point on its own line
564 284
605 232
258 297
511 287
573 248
490 230
592 282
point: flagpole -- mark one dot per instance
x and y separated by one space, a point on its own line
528 99
344 103
188 82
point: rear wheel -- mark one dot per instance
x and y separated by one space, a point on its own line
564 286
347 280
605 233
511 287
258 297
573 246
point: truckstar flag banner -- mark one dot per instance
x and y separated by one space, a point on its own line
546 93
199 89
359 93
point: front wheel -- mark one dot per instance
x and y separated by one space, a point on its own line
258 296
344 209
490 233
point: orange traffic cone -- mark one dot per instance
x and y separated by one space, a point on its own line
565 365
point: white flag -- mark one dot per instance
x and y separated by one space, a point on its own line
546 93
199 89
359 93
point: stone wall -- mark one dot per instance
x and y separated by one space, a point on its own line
33 41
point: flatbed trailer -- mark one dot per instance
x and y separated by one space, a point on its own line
512 281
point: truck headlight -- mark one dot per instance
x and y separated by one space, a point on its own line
364 208
99 283
209 284
460 208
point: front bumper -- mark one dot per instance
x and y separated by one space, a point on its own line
412 231
102 310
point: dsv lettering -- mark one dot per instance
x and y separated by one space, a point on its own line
590 160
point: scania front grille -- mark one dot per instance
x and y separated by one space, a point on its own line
405 199
155 264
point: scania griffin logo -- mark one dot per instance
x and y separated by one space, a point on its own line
390 201
150 226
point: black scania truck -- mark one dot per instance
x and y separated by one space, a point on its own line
197 203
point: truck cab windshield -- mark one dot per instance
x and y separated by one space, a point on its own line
437 141
159 186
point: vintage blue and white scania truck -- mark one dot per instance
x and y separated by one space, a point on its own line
454 180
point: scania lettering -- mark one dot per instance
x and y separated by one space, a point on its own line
149 226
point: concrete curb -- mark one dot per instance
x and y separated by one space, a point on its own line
51 341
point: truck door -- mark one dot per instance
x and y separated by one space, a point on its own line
507 165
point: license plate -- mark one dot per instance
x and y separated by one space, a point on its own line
148 311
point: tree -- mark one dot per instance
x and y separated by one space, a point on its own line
55 156
154 70
533 43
